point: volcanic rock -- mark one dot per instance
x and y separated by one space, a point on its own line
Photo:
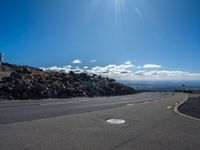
31 83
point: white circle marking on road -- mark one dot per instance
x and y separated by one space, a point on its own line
115 121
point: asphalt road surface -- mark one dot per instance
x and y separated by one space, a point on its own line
80 124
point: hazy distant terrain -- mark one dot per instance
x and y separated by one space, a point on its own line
162 86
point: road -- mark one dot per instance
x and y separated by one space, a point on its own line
80 124
18 111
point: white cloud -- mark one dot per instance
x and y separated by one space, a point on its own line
164 75
139 72
76 61
93 61
128 63
68 66
112 70
78 70
60 69
138 67
85 67
127 71
151 66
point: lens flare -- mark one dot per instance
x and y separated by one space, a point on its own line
119 7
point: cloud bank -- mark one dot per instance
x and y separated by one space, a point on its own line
151 66
128 71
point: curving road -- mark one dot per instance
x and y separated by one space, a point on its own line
80 124
18 111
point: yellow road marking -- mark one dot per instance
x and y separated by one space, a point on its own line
130 104
169 107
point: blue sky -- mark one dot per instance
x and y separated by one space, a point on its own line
162 34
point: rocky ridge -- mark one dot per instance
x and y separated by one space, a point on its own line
26 82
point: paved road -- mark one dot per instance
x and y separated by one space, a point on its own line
81 124
18 111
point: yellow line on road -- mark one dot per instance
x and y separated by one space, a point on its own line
130 104
169 107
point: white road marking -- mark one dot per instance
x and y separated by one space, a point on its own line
115 121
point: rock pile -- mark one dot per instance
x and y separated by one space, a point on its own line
31 83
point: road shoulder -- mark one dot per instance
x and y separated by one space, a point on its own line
189 108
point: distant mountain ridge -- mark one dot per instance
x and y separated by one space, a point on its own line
25 82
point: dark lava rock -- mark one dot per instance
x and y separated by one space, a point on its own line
7 79
16 75
31 83
23 70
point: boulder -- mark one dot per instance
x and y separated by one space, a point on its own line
16 75
7 79
23 70
71 73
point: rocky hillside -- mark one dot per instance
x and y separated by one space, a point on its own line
23 82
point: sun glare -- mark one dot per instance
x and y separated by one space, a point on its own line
119 6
